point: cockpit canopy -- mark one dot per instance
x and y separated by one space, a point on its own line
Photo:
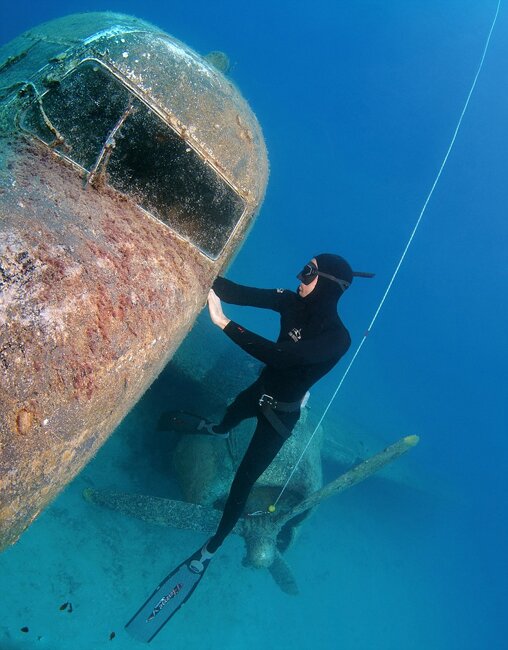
91 118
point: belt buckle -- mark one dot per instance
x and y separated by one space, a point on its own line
268 400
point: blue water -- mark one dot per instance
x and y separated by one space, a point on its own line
358 102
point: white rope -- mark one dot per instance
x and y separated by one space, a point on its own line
395 273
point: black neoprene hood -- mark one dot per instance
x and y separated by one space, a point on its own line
327 290
335 265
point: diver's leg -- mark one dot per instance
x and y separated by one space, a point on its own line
263 448
245 405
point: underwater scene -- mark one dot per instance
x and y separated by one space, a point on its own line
147 149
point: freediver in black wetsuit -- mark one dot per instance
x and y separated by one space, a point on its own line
312 339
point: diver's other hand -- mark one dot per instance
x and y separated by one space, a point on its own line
215 308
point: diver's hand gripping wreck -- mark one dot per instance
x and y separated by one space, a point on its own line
215 308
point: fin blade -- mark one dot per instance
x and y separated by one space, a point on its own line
164 602
179 421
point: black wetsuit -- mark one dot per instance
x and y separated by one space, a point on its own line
312 339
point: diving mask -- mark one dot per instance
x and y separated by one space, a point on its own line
310 271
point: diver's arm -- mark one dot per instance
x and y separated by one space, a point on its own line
286 354
328 346
238 294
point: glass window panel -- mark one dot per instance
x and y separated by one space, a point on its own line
83 108
171 181
149 161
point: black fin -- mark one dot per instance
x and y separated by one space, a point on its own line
183 422
180 421
166 600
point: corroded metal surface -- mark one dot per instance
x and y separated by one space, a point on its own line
95 294
156 510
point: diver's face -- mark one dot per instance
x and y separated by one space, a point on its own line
305 289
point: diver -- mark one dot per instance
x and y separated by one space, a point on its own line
311 341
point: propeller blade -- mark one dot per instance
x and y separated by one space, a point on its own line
283 575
